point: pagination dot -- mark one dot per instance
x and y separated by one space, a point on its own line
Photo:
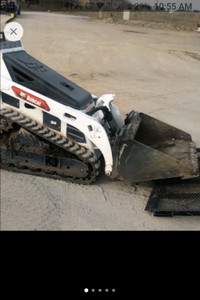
86 290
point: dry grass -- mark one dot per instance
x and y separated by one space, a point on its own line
163 20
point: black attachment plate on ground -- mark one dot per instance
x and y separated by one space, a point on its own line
175 197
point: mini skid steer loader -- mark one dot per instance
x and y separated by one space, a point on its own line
52 127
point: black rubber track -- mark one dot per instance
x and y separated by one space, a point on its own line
82 153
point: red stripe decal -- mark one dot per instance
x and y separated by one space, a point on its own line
30 98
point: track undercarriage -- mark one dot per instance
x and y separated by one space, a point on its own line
22 151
